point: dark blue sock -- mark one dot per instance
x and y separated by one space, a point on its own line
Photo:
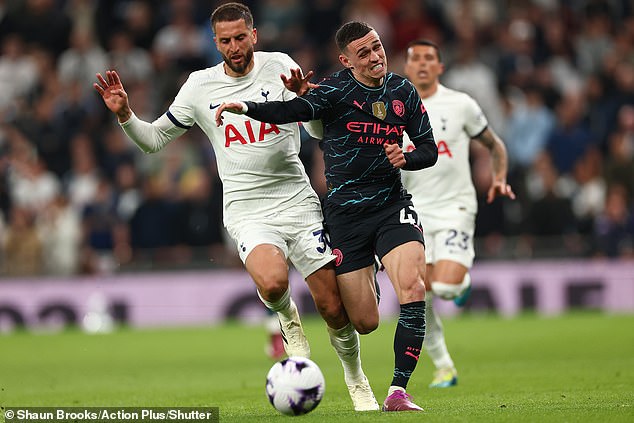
408 341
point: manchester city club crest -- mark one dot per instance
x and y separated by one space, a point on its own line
378 109
398 107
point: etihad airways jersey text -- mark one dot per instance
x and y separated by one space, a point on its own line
357 121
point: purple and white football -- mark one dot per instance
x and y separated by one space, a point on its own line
295 386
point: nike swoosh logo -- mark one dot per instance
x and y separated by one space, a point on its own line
211 106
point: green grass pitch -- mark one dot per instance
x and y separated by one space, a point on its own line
573 368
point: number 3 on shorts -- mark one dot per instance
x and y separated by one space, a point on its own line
322 239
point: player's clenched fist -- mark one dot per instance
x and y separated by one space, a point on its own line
395 155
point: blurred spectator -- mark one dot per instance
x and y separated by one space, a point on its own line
322 18
133 63
517 56
619 167
482 13
115 150
550 214
470 75
99 227
4 13
82 13
178 48
82 180
588 194
372 12
571 137
560 56
47 133
529 125
59 226
199 214
414 20
601 107
128 195
595 39
22 246
31 185
82 60
614 229
181 42
152 225
138 17
41 23
280 22
18 71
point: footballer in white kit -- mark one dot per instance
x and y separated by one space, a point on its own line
444 196
270 209
267 196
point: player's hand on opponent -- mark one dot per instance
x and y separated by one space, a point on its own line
395 155
114 96
499 188
237 107
297 82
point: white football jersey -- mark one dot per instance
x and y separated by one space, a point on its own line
447 186
258 162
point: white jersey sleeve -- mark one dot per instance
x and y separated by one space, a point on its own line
151 137
447 186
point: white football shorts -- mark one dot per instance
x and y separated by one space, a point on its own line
298 232
449 238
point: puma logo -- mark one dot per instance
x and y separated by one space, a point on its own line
360 106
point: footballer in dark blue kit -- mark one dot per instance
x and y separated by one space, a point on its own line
364 110
357 121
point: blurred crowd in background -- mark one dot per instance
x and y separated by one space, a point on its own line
554 77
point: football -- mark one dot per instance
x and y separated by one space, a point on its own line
295 386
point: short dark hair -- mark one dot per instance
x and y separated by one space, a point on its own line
230 12
349 32
425 42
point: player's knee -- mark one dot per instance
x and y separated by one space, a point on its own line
332 311
414 291
449 291
272 289
366 324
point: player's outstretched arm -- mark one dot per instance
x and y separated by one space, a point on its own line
297 82
149 137
114 96
237 107
499 187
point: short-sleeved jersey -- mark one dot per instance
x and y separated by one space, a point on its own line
357 121
455 118
258 162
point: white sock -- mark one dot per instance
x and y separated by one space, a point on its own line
272 324
393 388
345 341
449 291
434 342
284 307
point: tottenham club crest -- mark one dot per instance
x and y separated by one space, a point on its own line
265 94
378 109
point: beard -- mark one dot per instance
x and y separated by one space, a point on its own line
239 68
